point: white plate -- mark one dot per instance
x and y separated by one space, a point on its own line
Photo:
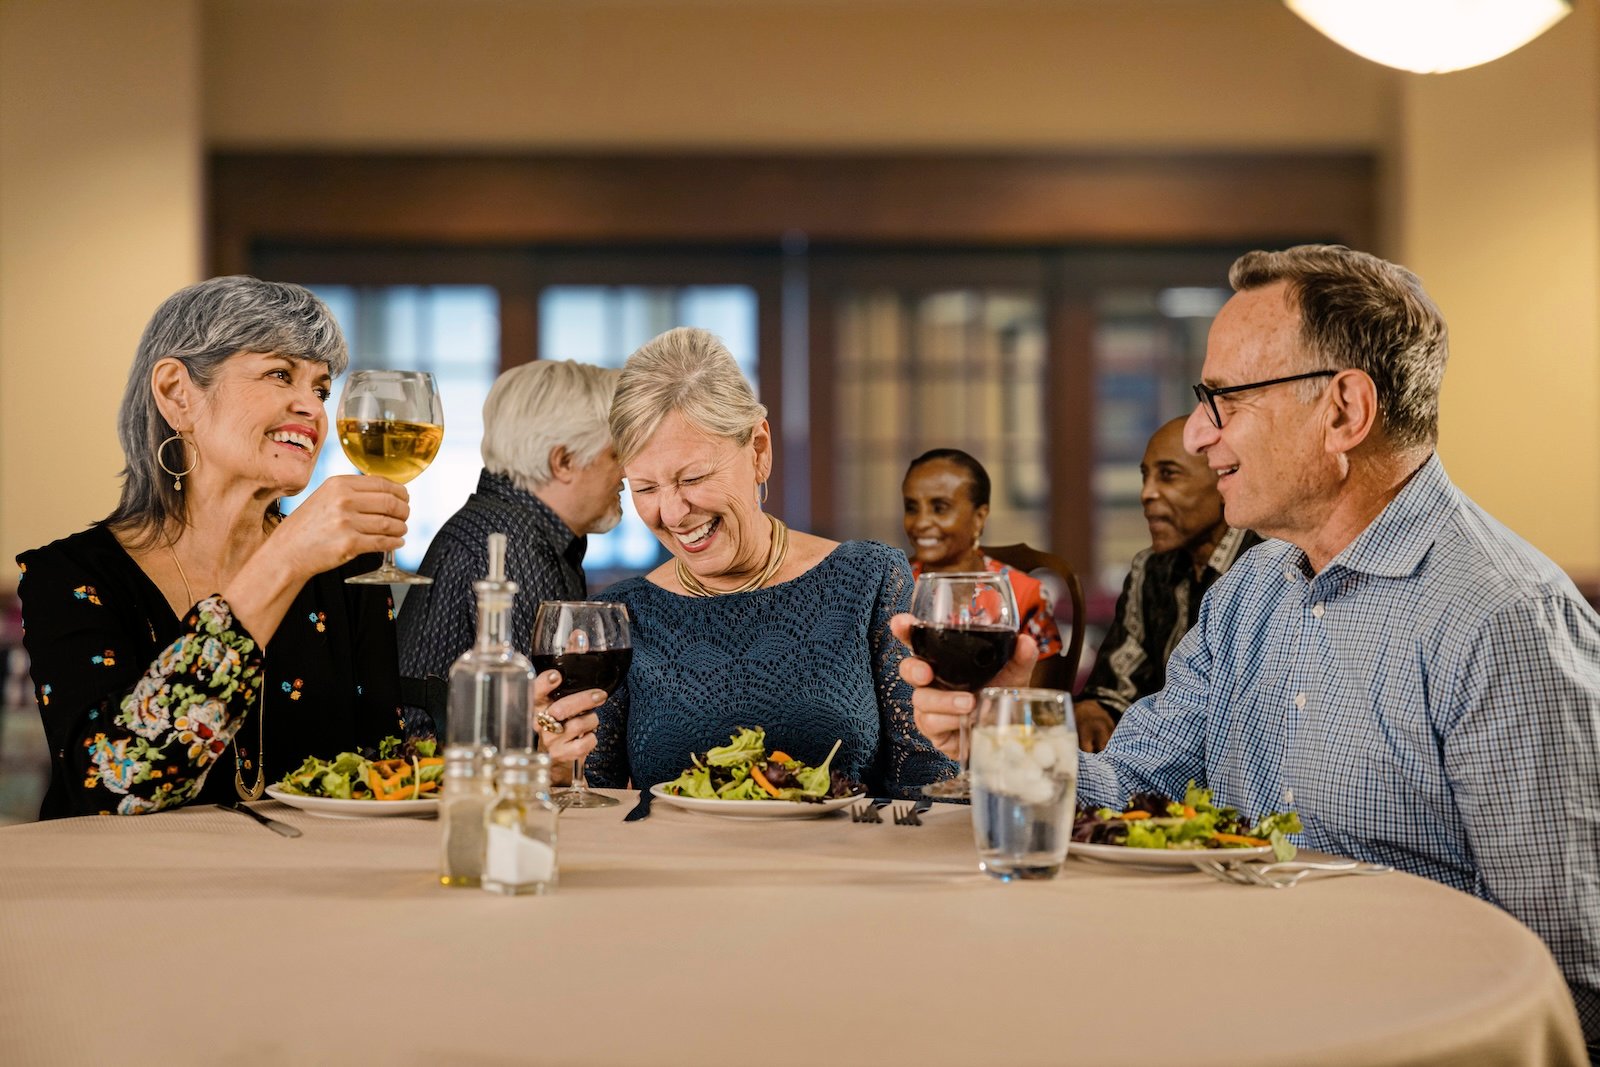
754 809
1167 858
333 808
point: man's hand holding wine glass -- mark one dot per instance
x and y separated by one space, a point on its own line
940 712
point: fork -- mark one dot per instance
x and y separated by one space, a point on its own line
865 813
1285 875
910 814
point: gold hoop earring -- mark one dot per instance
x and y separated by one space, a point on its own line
177 476
762 492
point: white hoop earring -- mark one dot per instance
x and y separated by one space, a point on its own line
177 476
762 493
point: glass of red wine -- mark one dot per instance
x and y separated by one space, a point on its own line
966 630
588 643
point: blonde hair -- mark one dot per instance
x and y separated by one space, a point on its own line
534 407
690 371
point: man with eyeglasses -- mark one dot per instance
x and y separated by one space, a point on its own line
1409 675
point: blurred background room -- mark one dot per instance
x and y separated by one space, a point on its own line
997 225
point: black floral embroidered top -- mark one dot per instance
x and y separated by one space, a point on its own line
143 710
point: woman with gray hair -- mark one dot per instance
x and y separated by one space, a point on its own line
750 623
149 632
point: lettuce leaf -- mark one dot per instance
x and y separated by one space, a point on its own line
814 781
745 746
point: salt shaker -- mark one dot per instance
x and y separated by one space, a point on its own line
468 792
520 827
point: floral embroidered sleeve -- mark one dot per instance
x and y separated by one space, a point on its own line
131 735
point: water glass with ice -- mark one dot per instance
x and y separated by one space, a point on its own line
1024 769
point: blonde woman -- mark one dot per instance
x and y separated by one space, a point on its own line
749 623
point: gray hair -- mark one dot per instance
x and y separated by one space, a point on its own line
203 326
537 406
1364 313
690 371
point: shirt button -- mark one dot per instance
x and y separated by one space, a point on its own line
1288 575
1316 609
1288 797
1300 700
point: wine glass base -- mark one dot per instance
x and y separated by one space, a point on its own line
584 798
959 788
388 576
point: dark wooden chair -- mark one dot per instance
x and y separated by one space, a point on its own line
1059 580
430 695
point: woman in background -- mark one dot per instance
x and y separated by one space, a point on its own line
946 498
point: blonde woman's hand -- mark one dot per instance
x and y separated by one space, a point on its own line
347 516
576 717
939 711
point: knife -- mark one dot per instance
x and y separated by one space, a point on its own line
271 824
640 810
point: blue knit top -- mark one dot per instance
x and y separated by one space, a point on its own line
811 660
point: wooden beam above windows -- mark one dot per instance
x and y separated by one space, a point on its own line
990 200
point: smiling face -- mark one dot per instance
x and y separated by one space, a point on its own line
941 521
698 494
1180 499
263 421
1275 475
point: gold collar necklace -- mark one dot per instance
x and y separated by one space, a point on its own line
777 551
246 792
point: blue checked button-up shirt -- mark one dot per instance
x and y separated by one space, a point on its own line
1431 699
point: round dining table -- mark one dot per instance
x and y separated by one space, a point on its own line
200 937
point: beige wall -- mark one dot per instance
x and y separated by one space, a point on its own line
100 208
851 73
101 115
1499 171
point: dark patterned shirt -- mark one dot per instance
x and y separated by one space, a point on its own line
544 557
1159 603
145 710
811 660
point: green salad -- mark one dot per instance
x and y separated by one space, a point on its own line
743 769
1153 821
406 770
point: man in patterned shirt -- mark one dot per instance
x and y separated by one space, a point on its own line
1409 675
550 477
1191 546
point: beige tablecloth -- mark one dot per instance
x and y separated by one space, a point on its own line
199 937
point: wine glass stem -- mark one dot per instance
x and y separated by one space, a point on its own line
388 560
579 783
964 745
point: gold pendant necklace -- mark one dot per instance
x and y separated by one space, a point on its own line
246 792
777 551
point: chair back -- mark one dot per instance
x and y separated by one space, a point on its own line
430 694
1058 578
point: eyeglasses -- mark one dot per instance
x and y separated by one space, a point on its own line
1207 396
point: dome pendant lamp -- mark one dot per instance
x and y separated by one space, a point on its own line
1431 36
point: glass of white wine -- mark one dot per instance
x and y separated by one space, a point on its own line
391 423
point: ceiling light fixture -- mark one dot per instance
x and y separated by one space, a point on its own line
1431 36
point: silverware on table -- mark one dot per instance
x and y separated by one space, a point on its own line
911 814
867 812
271 824
641 810
1288 874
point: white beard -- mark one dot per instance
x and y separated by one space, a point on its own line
609 520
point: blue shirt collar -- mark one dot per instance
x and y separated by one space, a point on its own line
1395 543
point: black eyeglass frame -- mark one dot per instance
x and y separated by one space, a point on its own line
1207 396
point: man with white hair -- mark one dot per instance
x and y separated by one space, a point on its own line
550 478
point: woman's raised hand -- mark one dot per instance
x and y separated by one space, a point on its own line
939 711
577 717
347 516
